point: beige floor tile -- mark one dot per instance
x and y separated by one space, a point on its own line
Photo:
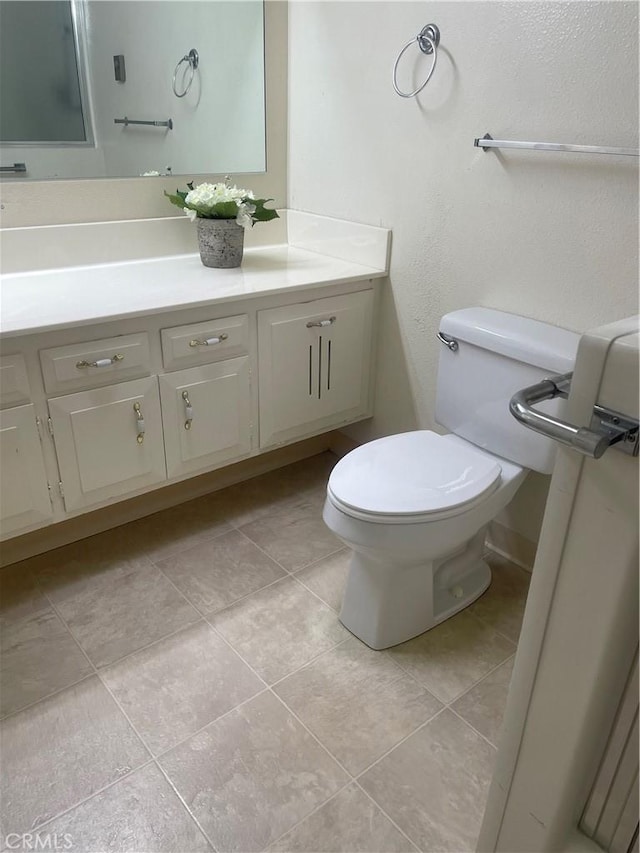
278 629
357 702
261 496
177 686
37 657
61 751
502 605
118 610
294 535
217 573
434 785
174 530
483 706
251 776
139 813
19 593
327 578
61 571
348 823
451 657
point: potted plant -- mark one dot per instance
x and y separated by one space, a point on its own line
221 213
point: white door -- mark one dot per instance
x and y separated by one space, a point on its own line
314 365
206 415
108 441
24 494
579 638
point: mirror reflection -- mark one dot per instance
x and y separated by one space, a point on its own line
120 88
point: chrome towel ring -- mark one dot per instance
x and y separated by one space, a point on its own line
193 59
428 40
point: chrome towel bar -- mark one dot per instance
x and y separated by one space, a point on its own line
607 428
487 142
17 167
127 121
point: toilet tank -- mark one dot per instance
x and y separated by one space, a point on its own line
497 355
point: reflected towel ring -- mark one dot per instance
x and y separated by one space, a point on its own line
193 59
428 40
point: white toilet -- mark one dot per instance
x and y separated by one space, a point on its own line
414 507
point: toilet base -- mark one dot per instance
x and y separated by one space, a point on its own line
385 605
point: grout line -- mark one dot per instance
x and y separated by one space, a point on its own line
183 802
486 624
104 667
185 548
390 819
399 743
311 813
91 796
473 728
480 680
309 662
342 547
48 696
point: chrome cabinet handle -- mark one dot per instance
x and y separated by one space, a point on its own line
209 342
329 321
188 410
139 422
607 428
448 342
101 362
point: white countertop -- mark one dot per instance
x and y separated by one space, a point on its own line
73 296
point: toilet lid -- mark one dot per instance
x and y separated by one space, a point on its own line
412 473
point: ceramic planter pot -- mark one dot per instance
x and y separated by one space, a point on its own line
221 242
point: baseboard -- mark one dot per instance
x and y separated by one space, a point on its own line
106 518
512 545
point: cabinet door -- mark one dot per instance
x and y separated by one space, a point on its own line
206 415
314 365
108 441
24 494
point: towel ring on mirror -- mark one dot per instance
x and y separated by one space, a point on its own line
193 59
428 40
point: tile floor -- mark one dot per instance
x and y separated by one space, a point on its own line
182 683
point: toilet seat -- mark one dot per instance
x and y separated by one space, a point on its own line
412 477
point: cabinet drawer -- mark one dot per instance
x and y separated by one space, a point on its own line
202 343
14 384
95 363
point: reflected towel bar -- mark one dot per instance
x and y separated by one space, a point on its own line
17 167
127 121
487 142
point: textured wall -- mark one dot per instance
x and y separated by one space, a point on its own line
550 236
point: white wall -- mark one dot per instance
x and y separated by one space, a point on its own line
550 236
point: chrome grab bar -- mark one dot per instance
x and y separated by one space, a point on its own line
607 428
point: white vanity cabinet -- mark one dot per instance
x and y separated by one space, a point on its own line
108 441
24 491
314 362
206 415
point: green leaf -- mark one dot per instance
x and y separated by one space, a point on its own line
262 213
177 199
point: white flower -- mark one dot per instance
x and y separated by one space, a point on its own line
152 174
245 212
190 213
208 195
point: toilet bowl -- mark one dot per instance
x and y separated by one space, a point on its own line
414 507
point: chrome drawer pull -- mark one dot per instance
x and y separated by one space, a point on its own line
607 428
209 342
139 422
328 322
188 410
101 362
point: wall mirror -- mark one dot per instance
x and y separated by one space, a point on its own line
119 88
